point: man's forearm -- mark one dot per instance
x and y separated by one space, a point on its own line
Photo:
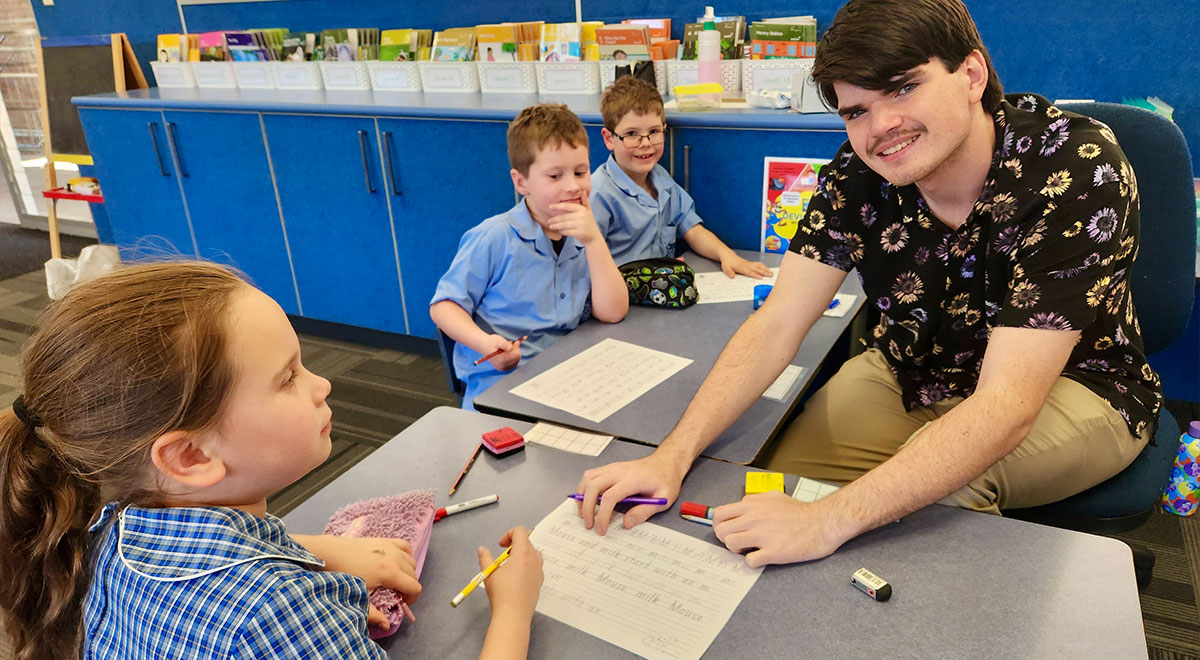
751 361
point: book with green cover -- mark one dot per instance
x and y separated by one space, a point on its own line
733 38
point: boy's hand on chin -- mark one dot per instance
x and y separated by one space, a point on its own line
575 220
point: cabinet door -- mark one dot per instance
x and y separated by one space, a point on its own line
722 169
222 165
335 212
141 194
435 199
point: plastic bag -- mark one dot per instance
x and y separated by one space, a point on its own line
62 274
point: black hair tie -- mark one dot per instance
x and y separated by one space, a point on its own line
24 414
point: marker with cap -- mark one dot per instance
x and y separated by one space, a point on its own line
698 513
464 506
578 497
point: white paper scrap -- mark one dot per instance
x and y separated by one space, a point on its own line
650 590
601 379
715 287
782 385
844 302
561 437
811 490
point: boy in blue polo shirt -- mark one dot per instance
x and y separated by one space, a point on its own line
536 271
638 206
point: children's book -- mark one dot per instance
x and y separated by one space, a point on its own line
660 28
783 38
588 46
529 35
211 46
560 42
623 42
453 45
733 38
496 43
788 185
298 46
172 48
398 45
243 47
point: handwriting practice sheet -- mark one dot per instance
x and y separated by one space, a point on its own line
650 590
715 287
601 379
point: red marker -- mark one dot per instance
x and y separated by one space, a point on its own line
698 513
464 506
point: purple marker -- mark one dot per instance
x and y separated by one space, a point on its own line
578 497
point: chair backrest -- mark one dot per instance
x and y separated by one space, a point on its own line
1163 277
446 345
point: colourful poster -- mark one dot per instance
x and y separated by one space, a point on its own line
788 184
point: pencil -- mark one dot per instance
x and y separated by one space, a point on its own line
470 462
480 577
498 351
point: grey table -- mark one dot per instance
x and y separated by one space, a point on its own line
699 332
966 584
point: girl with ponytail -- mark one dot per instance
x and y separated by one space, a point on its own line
162 403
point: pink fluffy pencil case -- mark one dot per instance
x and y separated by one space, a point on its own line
407 516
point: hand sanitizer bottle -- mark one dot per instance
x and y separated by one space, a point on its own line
708 50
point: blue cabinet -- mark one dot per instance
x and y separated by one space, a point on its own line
141 194
221 161
722 169
334 199
435 200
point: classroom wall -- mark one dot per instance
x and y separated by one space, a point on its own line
1101 49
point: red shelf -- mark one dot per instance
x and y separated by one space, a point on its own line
63 193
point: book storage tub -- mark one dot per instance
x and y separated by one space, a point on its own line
394 76
772 74
173 74
345 75
687 72
214 75
568 77
507 77
449 76
297 75
608 73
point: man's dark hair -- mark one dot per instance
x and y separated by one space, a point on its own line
871 42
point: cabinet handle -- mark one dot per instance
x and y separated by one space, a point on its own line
387 160
157 153
687 167
172 139
362 146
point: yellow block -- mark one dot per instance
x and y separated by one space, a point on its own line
762 482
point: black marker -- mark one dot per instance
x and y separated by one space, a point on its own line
871 584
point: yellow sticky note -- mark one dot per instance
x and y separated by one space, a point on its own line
761 482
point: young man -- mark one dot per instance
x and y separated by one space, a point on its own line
640 209
994 236
539 269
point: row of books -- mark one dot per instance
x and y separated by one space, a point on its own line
631 39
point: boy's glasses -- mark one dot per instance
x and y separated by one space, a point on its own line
633 140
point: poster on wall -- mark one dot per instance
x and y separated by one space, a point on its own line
788 184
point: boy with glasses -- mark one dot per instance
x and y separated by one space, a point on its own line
639 208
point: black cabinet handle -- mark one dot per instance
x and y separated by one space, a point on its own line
387 160
157 153
687 167
362 146
172 140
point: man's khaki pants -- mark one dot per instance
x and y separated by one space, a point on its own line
858 421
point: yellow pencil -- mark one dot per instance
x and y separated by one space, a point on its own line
479 578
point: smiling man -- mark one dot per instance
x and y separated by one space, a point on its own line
994 237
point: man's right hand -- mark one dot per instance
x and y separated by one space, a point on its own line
656 475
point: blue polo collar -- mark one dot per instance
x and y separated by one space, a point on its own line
530 231
659 178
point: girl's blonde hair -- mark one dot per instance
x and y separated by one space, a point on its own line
119 361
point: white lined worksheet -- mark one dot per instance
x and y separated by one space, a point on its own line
566 439
715 287
601 379
650 590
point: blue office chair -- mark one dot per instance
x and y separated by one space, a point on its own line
446 346
1162 282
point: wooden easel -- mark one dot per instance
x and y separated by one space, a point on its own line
86 51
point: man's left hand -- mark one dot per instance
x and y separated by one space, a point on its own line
773 528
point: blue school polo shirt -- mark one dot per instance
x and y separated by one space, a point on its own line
635 225
507 277
216 582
